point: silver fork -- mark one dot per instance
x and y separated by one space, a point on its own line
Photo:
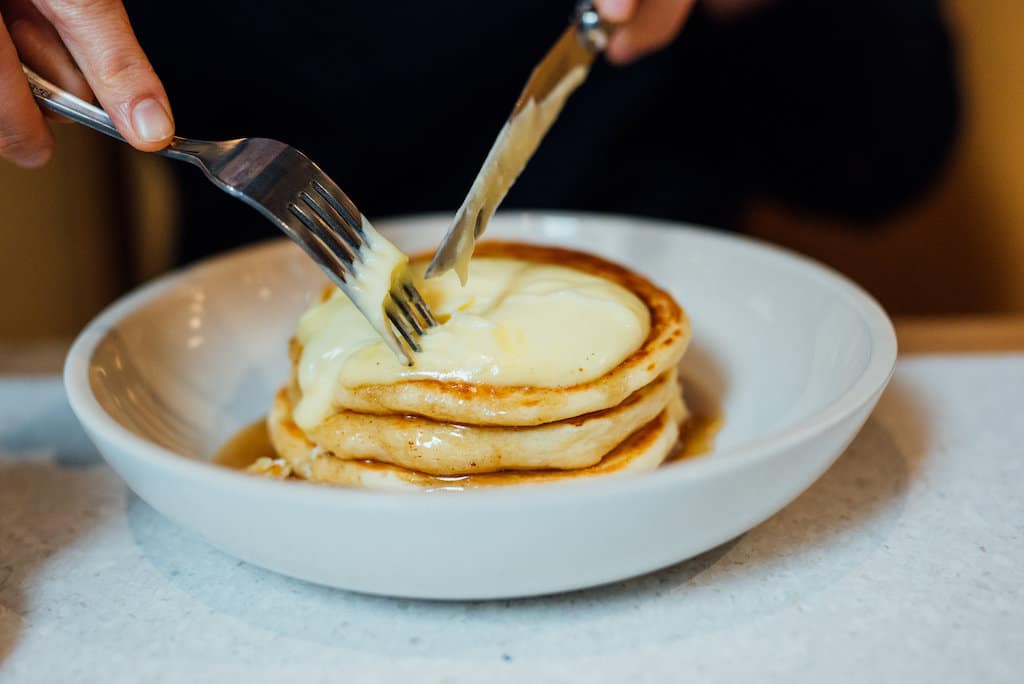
289 189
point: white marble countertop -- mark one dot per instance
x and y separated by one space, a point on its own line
904 563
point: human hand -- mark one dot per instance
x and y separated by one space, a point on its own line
644 25
86 47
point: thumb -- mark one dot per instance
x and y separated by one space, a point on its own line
100 38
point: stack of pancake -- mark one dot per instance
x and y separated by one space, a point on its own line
549 364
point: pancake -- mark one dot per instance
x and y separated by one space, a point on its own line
550 365
643 450
272 468
487 404
451 449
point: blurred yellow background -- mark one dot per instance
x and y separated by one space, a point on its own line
960 250
70 242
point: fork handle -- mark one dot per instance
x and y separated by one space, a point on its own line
64 103
60 101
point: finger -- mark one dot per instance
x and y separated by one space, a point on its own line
100 38
654 25
616 11
24 136
41 49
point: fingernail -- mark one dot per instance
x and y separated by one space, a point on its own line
616 10
151 121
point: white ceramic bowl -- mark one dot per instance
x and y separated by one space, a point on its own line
795 354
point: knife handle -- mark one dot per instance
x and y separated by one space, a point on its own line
593 30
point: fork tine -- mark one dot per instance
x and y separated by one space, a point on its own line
405 303
420 306
402 344
406 310
313 244
405 343
326 227
413 308
342 206
408 335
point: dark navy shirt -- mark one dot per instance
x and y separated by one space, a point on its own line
841 107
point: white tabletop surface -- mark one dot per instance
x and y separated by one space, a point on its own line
904 563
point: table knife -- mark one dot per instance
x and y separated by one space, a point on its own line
562 70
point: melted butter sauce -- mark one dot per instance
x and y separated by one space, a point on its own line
516 323
697 436
246 446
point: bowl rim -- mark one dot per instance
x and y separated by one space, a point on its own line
864 389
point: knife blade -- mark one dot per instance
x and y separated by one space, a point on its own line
552 81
